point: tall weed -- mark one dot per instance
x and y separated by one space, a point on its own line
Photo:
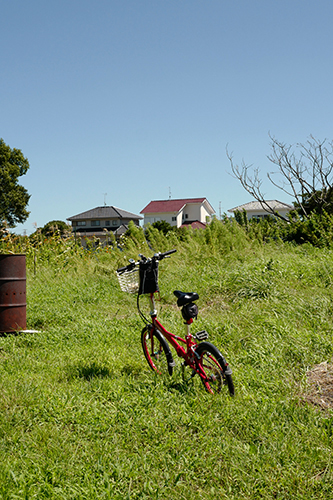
82 416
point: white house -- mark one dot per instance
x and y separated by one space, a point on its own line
254 209
189 211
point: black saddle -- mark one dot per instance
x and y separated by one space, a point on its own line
185 298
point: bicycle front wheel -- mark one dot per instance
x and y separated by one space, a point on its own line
156 350
215 370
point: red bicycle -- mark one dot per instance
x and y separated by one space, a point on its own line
200 356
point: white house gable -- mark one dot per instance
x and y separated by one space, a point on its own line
178 212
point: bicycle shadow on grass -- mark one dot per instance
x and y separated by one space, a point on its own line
89 371
170 384
181 387
131 371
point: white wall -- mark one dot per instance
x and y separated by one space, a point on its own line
204 214
151 218
263 213
193 211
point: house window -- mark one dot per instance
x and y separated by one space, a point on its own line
174 219
95 223
115 223
185 216
107 222
81 223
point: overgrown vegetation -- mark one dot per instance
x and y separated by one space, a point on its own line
316 229
83 417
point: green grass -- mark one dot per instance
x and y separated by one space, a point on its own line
83 417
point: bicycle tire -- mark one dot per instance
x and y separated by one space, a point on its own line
215 367
156 350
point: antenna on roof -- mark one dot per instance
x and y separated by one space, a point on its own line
169 193
105 194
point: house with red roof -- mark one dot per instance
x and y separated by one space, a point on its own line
184 212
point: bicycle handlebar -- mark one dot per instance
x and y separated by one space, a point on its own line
157 256
161 256
126 268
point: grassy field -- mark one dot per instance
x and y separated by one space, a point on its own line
83 417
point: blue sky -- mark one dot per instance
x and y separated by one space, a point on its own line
134 98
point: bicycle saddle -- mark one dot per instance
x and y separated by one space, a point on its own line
185 298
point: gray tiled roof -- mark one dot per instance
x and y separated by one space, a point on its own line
105 212
255 205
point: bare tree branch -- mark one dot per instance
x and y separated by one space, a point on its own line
304 172
252 184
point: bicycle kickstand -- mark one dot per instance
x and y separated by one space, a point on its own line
183 373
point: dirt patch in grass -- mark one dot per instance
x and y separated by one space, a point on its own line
320 380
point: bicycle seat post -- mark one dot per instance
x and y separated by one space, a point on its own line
187 325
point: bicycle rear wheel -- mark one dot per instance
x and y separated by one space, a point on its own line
156 350
217 373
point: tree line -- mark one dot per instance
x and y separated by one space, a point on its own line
303 171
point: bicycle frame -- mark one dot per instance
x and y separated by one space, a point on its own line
189 355
203 358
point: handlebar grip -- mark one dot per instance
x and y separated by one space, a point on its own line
125 268
169 252
121 269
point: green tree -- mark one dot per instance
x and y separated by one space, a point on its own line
55 226
241 218
318 202
163 226
14 198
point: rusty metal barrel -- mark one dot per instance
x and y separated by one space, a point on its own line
13 305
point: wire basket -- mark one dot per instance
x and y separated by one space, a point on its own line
129 280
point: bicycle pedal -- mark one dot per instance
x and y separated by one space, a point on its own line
203 335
